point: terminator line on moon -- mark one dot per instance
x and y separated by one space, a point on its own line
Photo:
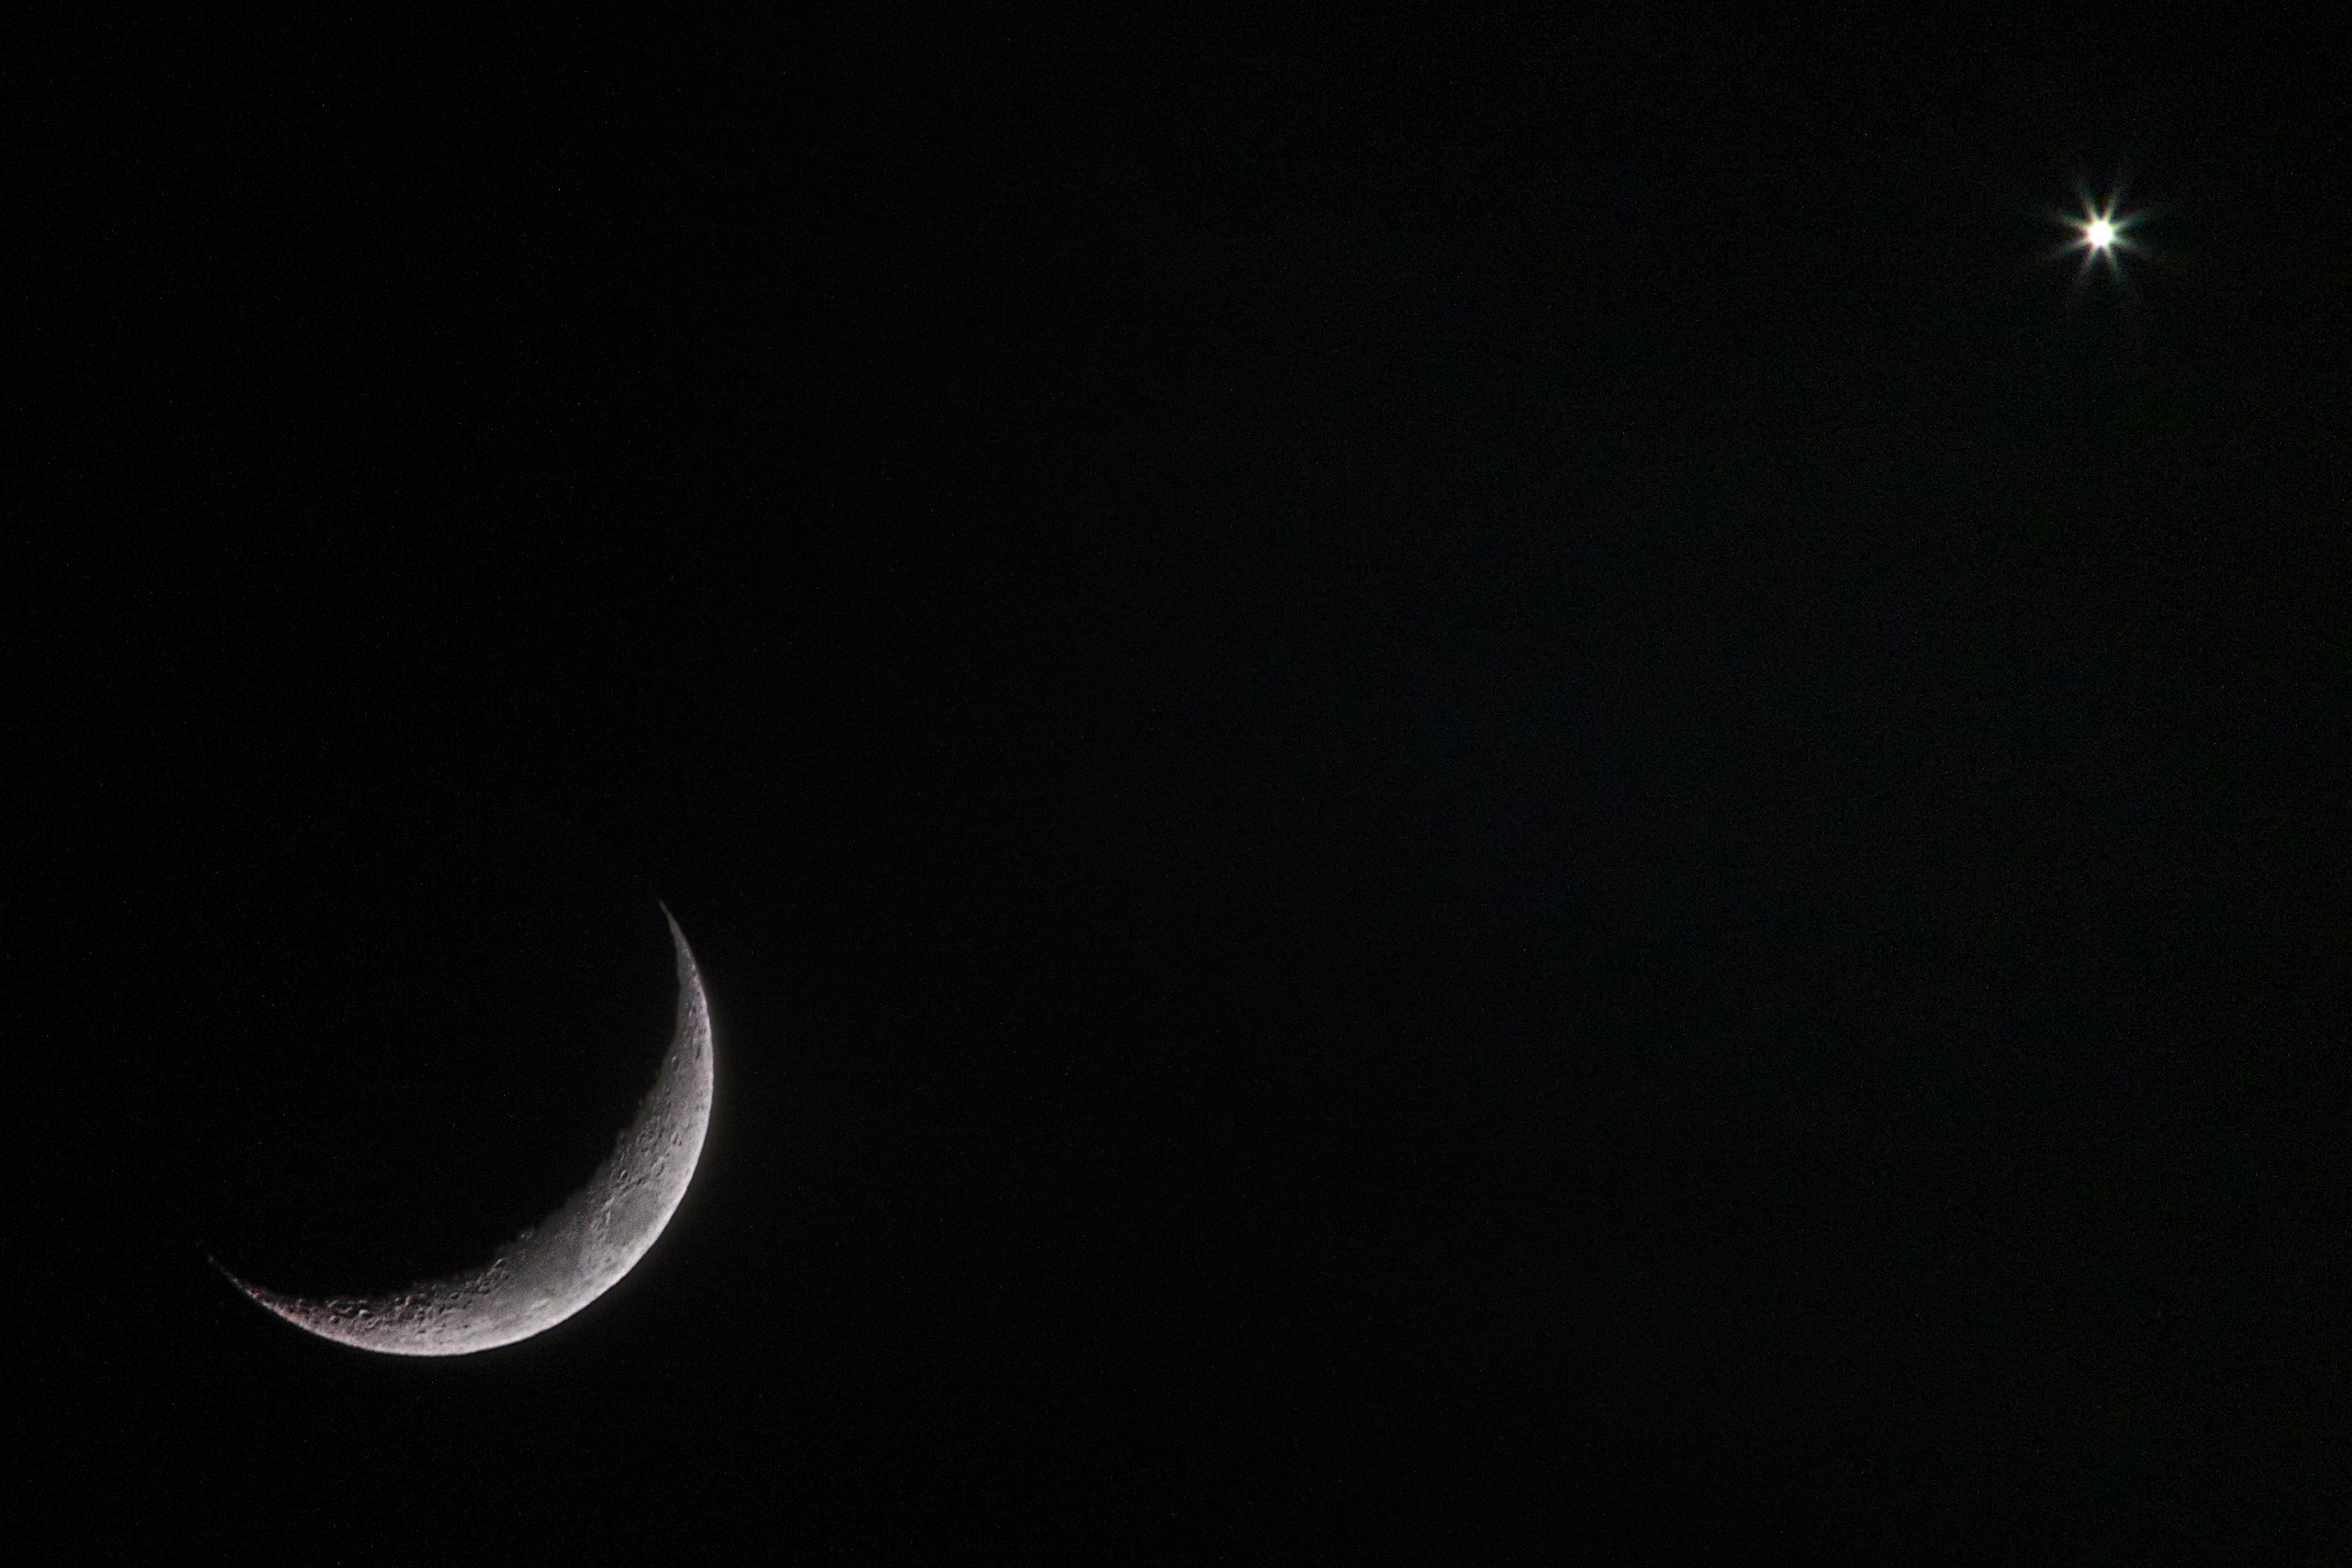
579 1252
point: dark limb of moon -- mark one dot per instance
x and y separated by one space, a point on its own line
573 1256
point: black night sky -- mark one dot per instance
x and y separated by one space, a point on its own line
1457 793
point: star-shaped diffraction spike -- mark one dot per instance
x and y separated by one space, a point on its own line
2102 233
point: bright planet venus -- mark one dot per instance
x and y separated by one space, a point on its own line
2103 234
573 1256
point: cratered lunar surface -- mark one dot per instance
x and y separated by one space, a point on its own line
579 1252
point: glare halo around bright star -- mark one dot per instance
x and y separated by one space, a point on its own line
2102 235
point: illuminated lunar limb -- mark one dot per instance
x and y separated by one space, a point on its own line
573 1256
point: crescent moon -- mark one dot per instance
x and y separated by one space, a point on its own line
577 1254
